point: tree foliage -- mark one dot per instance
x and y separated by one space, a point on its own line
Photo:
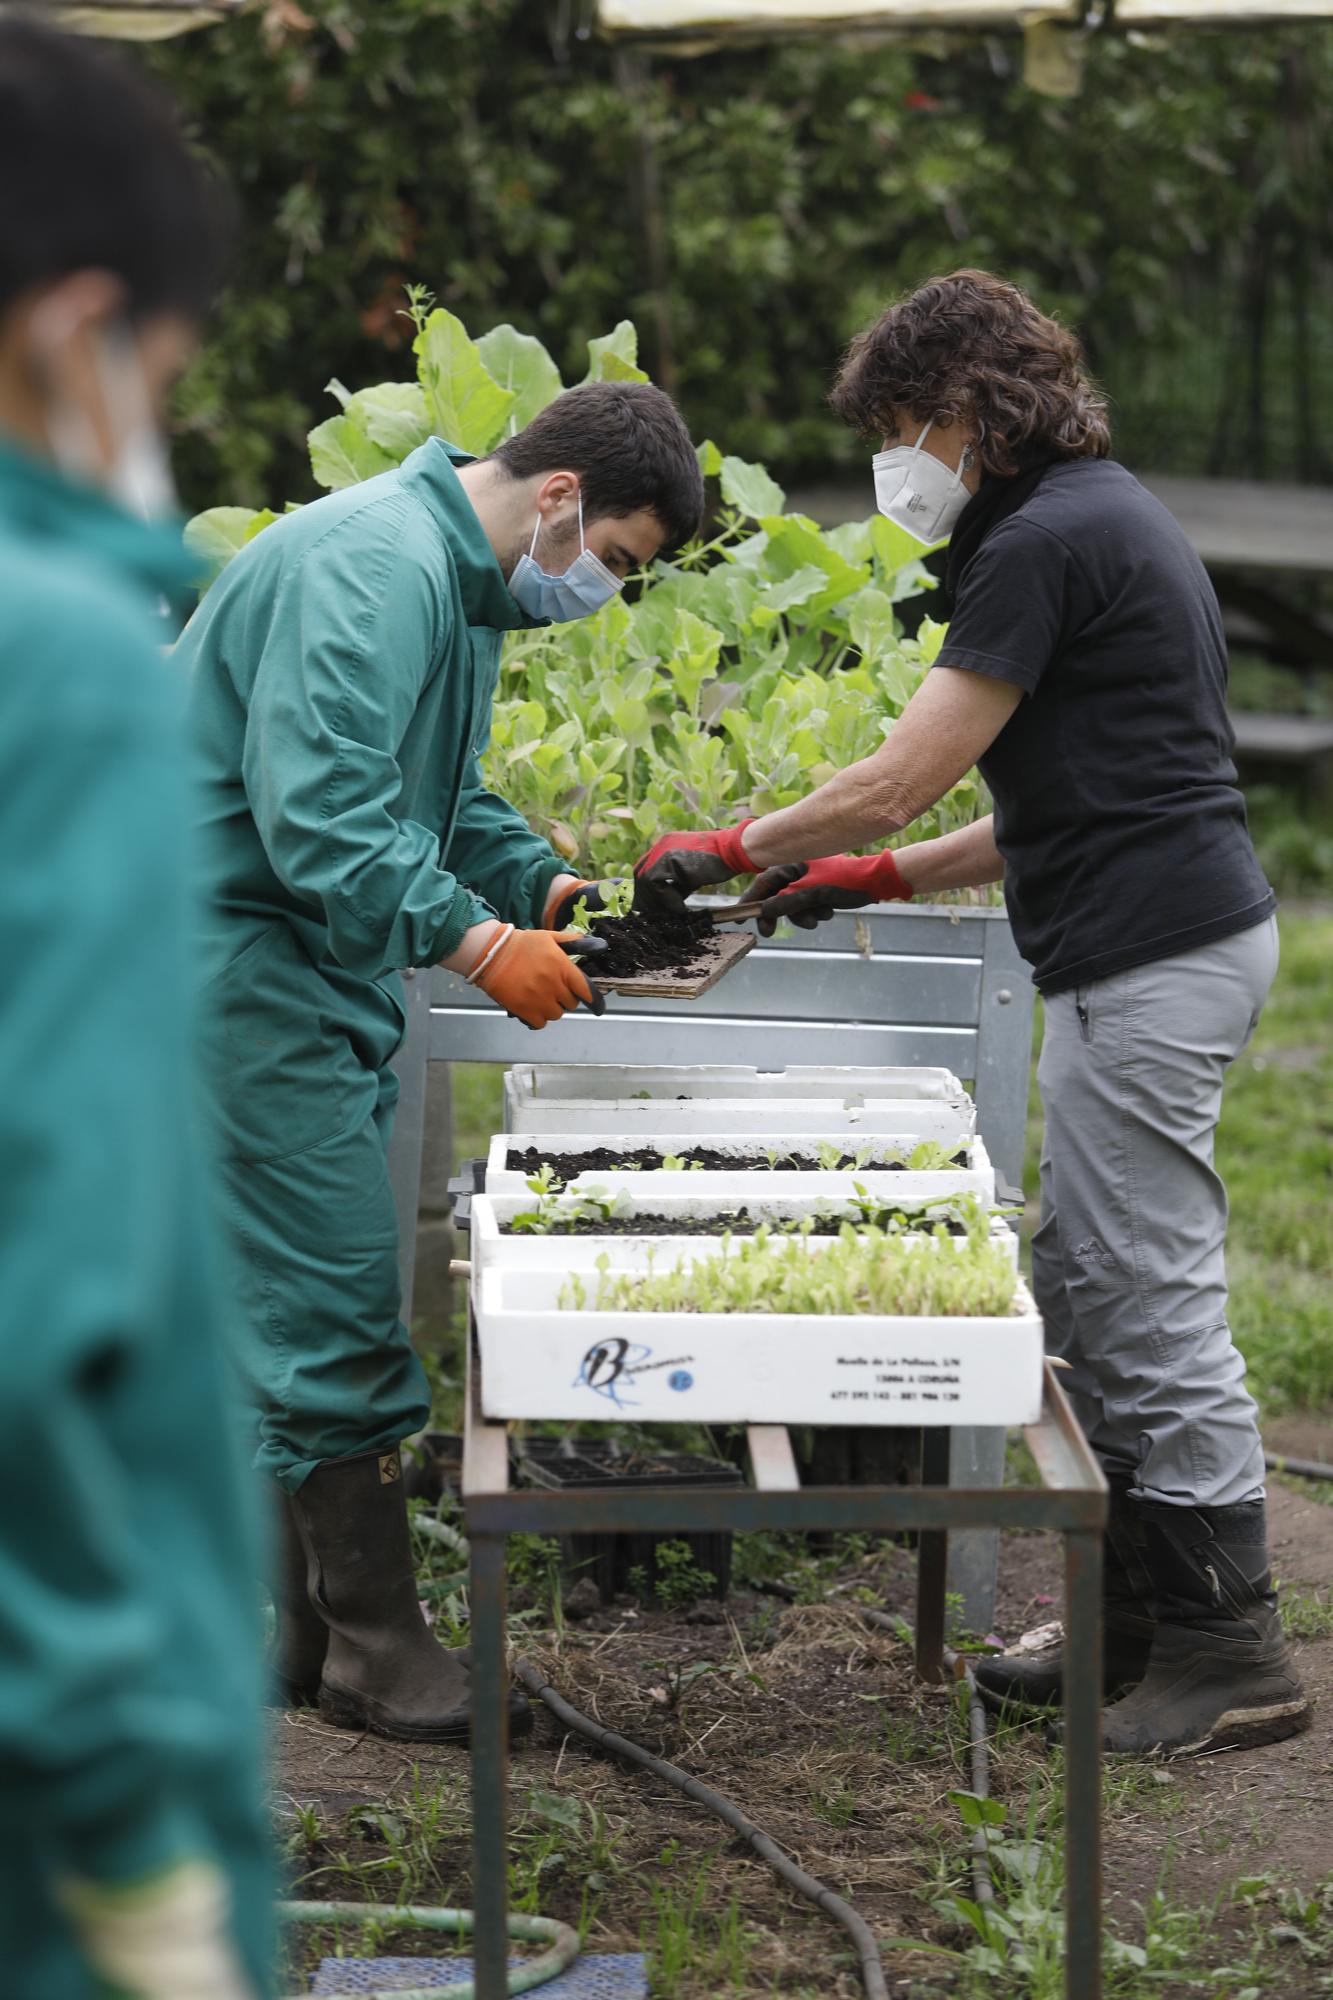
1176 211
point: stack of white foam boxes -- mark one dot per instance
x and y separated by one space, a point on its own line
546 1355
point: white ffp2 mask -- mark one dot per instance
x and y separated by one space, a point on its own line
919 492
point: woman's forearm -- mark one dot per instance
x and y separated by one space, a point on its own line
963 860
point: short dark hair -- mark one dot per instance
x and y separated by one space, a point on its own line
628 443
973 346
98 176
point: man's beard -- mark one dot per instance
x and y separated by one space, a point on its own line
555 551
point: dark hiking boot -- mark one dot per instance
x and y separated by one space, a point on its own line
383 1670
300 1638
1219 1675
1035 1679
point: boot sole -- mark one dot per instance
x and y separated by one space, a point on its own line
1243 1729
348 1711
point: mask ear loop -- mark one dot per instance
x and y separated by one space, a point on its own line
536 530
583 546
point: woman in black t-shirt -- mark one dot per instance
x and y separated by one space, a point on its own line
1084 672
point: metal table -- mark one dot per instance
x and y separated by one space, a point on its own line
1071 1499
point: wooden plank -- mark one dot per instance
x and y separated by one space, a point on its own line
1286 739
717 955
772 1460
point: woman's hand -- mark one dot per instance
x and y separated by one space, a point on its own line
821 888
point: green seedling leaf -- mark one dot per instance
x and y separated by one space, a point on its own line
220 533
894 548
341 453
557 1808
974 1811
929 638
614 356
710 459
520 363
798 588
871 622
750 489
466 404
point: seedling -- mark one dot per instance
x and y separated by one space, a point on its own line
860 1271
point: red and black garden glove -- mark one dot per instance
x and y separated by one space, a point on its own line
679 863
821 888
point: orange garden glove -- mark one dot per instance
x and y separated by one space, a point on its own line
821 888
678 863
532 975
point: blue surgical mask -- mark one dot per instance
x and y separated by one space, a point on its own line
583 588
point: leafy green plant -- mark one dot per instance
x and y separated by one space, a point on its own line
617 901
859 1271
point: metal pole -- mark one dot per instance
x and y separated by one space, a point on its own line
1083 1765
490 1715
932 1558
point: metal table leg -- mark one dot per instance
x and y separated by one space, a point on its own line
932 1563
490 1714
1083 1765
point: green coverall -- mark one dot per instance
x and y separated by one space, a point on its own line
343 668
129 1648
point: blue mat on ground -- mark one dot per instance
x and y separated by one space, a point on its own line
598 1976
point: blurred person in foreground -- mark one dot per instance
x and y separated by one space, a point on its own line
1084 673
132 1853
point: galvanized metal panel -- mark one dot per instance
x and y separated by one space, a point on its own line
474 1034
813 986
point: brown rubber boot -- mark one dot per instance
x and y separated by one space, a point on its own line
1219 1675
383 1671
1036 1679
300 1638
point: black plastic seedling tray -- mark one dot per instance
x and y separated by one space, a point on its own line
610 1558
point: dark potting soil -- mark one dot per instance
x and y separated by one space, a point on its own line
640 943
739 1222
602 1159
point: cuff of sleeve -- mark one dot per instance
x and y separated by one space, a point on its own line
465 910
993 665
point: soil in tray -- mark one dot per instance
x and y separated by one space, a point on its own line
605 1159
739 1222
639 943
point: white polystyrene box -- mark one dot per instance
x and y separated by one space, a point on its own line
587 1084
490 1248
541 1361
826 1117
751 1178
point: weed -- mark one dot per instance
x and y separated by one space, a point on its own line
692 1945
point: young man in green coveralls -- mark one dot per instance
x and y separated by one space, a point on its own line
343 669
132 1853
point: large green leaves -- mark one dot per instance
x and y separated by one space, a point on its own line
520 364
749 489
219 533
614 356
465 403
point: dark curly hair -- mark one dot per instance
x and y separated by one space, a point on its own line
972 347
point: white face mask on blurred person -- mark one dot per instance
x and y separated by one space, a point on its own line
919 492
137 473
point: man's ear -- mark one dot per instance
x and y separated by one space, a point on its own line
557 493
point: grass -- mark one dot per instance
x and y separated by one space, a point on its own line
1275 1153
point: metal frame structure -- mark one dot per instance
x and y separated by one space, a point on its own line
892 984
1072 1499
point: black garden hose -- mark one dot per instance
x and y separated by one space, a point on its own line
842 1913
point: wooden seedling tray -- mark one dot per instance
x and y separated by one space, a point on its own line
716 956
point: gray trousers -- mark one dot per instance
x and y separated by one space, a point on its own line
1128 1264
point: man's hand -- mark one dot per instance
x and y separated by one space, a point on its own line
532 974
821 888
679 863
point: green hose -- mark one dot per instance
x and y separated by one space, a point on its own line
563 1942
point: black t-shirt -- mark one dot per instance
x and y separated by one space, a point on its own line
1116 806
